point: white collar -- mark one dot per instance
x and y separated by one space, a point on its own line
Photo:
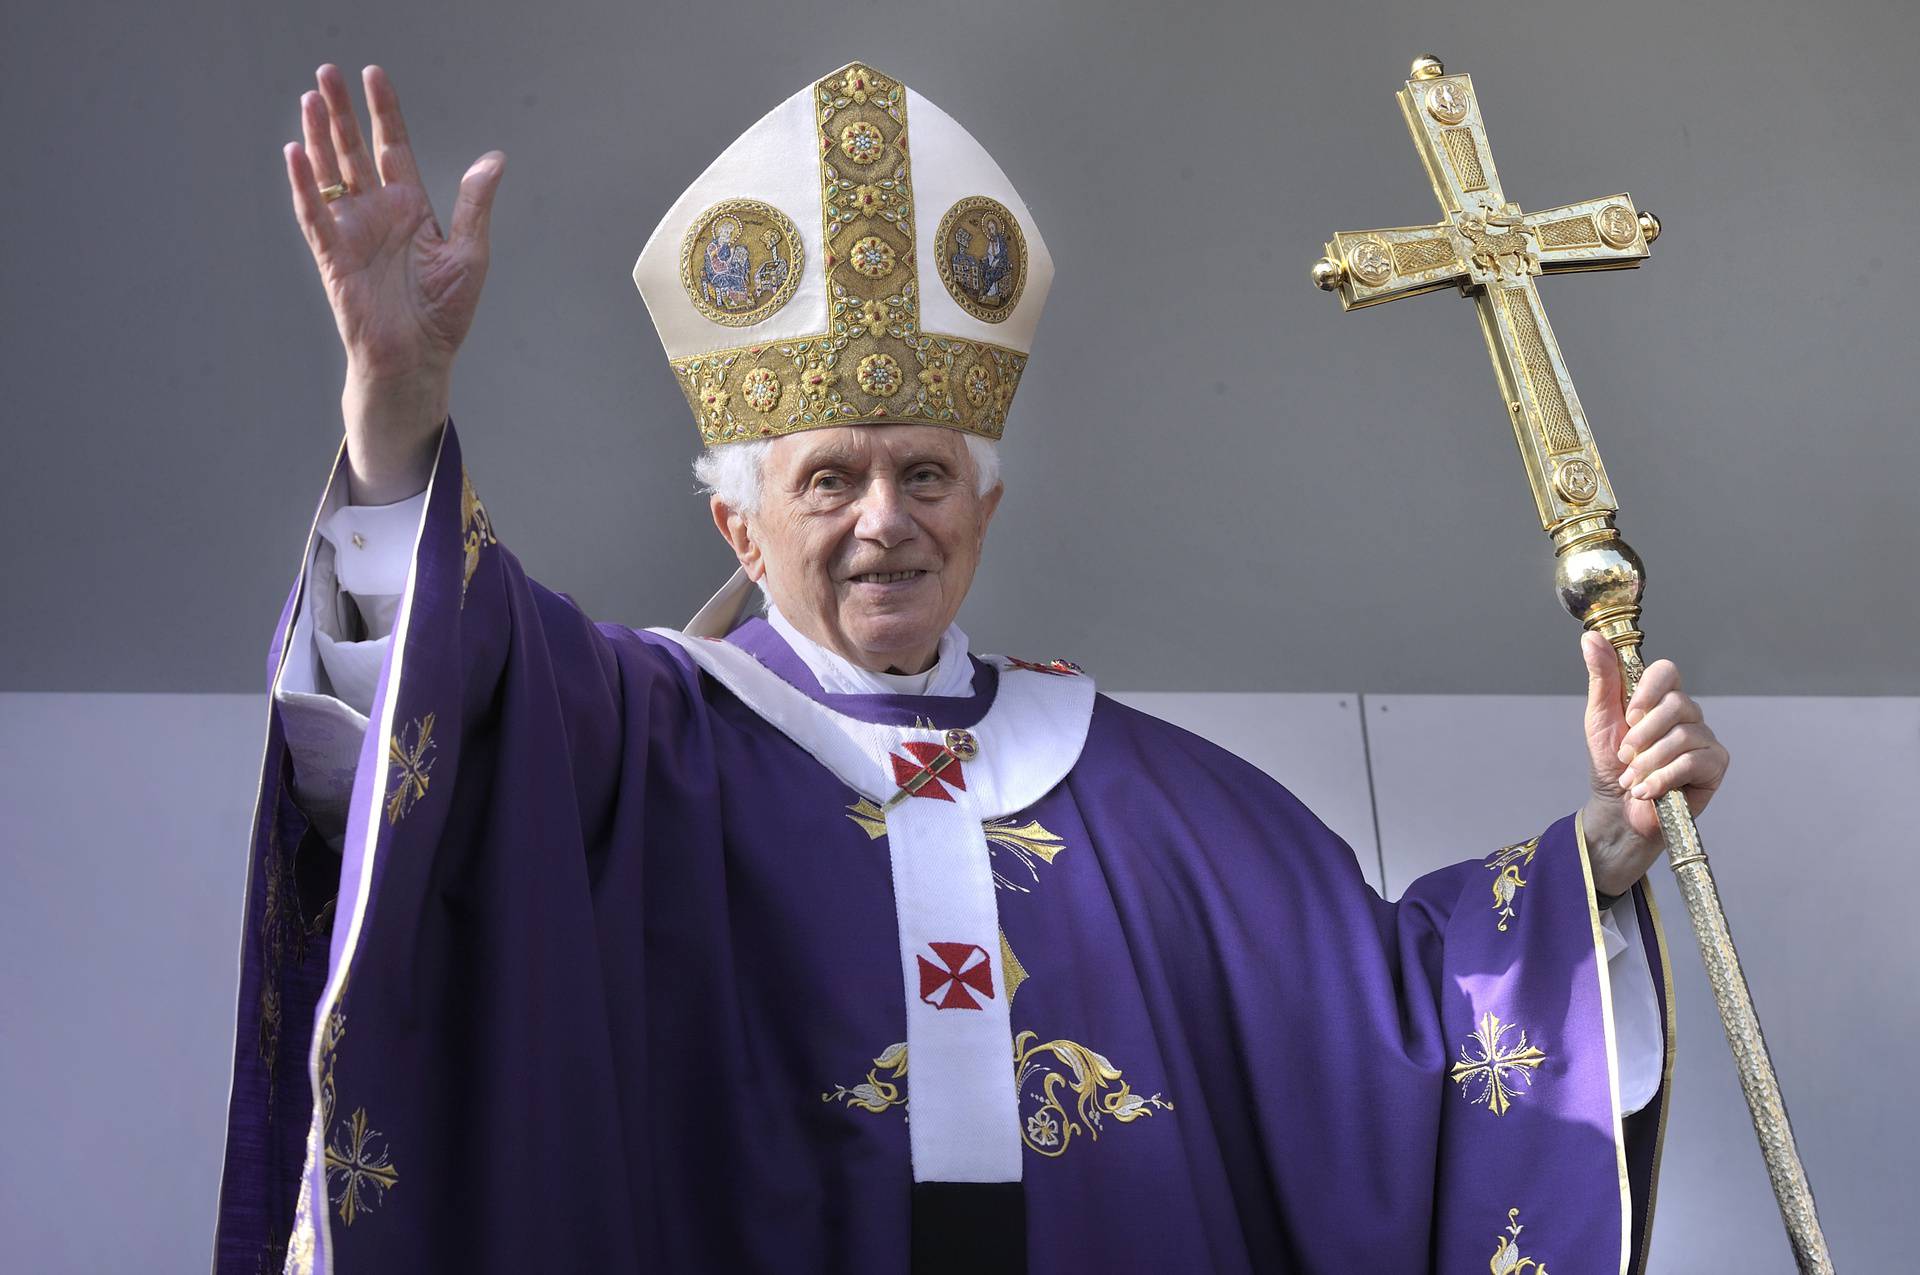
952 673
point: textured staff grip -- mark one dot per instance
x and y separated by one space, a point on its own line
1688 858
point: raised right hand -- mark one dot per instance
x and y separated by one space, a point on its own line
403 292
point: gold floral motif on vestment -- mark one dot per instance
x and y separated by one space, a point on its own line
1049 1073
1507 1259
1066 1090
1027 845
1506 863
354 1161
476 531
873 302
410 752
1501 1070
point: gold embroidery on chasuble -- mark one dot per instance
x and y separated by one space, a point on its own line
1066 1089
1492 1070
280 900
1507 1259
412 763
1506 863
284 934
873 361
874 1093
1013 973
1027 844
358 1166
869 818
357 1160
1050 1072
476 531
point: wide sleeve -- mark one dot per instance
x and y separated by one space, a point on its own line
399 987
1556 1016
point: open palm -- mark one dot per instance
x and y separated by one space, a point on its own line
403 292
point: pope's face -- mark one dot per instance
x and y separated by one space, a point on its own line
867 537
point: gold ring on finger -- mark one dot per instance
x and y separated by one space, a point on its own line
334 191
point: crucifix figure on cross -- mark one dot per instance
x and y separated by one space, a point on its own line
1492 251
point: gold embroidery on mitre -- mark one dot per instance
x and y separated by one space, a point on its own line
983 257
873 298
740 262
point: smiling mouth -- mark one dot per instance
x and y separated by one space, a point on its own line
887 577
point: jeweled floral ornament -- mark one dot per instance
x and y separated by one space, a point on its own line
799 283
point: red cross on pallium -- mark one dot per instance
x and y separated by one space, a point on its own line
924 755
962 965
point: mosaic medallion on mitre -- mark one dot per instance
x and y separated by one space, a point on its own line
740 262
983 257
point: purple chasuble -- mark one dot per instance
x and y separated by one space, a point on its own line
607 979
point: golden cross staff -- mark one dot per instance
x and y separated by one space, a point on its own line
1492 251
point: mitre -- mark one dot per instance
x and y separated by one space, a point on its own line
856 257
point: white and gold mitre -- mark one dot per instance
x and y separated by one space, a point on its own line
856 257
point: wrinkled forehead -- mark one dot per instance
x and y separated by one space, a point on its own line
864 446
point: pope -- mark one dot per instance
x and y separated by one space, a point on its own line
570 946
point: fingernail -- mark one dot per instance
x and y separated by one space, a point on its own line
1633 716
1625 754
1640 790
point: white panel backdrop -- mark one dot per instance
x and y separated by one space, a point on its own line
122 847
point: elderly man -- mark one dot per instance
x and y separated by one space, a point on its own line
576 948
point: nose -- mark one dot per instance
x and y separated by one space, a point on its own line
884 517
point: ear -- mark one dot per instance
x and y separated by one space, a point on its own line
735 530
988 504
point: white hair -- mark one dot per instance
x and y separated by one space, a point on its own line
733 471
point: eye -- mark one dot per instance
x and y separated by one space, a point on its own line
829 483
925 474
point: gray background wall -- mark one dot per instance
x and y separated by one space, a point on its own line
1217 481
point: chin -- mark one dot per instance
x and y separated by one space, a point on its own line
889 633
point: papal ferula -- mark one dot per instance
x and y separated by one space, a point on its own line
575 947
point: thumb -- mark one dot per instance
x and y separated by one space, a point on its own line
1605 709
473 210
